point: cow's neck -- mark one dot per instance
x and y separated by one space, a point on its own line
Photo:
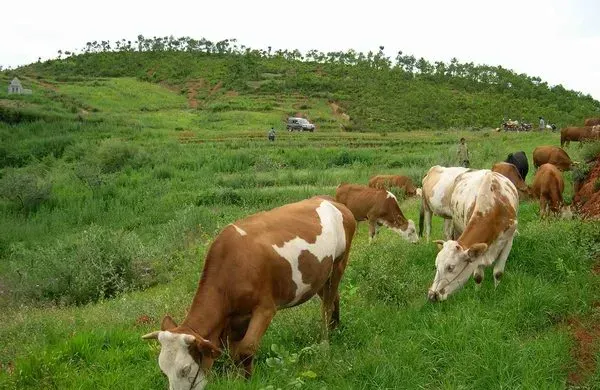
480 229
208 313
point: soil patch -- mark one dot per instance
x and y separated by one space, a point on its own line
584 351
193 86
587 199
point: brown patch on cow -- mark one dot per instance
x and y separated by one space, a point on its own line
552 155
314 272
485 228
387 182
371 204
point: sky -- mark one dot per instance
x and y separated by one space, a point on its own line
557 40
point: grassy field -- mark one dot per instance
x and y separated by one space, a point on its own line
108 210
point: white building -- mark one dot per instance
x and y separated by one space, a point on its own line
16 87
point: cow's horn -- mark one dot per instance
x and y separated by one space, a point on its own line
153 335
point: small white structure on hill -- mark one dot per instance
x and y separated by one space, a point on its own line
16 87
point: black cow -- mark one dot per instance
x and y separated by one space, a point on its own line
519 160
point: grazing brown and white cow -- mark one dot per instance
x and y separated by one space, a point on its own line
580 134
552 155
484 208
548 186
438 184
378 207
386 182
267 261
512 173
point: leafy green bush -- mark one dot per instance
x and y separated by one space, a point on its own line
92 265
26 189
590 151
114 155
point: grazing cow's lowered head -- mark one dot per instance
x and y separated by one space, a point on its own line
454 265
181 356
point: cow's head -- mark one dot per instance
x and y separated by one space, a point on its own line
181 356
410 234
454 265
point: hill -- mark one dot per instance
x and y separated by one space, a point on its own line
378 93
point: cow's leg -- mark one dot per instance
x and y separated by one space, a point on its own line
261 318
543 206
372 228
427 221
330 297
448 229
501 261
478 275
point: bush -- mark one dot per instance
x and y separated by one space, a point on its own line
27 190
114 154
590 151
92 265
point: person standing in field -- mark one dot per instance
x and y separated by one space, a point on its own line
272 134
463 153
542 124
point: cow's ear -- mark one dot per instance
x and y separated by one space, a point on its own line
440 244
167 323
207 348
476 250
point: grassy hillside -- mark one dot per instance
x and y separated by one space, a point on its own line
112 188
378 93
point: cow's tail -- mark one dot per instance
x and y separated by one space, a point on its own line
421 217
563 137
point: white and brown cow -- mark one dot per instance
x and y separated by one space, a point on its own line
484 214
379 207
267 261
438 184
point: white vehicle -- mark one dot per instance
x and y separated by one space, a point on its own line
299 124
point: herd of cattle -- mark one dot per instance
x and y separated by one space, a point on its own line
283 257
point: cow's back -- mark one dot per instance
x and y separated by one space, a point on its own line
437 187
551 155
287 252
511 173
359 199
592 121
476 193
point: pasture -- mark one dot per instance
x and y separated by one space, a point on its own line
140 185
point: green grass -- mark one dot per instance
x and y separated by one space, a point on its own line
151 189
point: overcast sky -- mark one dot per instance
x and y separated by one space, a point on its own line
557 40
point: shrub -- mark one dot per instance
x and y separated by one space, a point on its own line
89 266
590 151
114 154
27 190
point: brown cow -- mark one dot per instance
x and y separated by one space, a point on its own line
511 172
378 207
386 182
552 155
265 262
580 134
548 186
592 122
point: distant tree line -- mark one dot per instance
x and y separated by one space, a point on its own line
379 92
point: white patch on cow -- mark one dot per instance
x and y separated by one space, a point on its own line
419 192
240 230
446 179
331 242
390 195
410 234
177 364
